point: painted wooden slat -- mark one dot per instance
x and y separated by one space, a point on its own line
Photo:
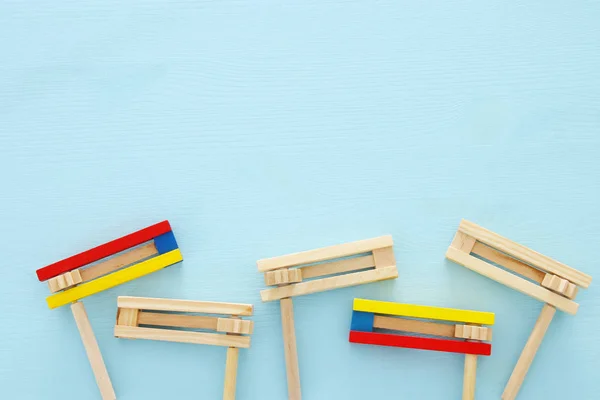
421 343
102 251
114 279
362 321
165 243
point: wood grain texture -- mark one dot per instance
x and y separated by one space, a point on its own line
523 253
65 281
178 320
512 281
93 351
463 242
470 376
384 257
283 276
324 284
325 253
191 306
528 354
415 326
116 278
471 332
128 316
290 348
338 267
234 325
560 286
119 261
168 335
508 262
231 368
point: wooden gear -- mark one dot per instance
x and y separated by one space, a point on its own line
302 273
531 273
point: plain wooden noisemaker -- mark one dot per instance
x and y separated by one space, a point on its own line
137 319
298 274
373 320
531 273
103 267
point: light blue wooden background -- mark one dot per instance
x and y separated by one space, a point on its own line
262 128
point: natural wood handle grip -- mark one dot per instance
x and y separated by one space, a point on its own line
531 347
470 376
231 366
93 351
291 352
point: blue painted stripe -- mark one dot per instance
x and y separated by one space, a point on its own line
362 321
165 243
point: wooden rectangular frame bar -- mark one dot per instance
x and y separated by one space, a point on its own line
114 279
324 253
65 280
367 322
70 282
512 281
289 273
426 312
324 284
104 250
190 306
541 277
368 315
159 245
421 343
524 254
134 311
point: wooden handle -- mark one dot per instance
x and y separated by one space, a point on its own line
231 366
93 351
531 347
469 378
291 352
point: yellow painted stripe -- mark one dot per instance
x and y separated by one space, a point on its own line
416 311
114 279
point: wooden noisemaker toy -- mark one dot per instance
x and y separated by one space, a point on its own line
103 267
135 320
467 336
525 270
297 274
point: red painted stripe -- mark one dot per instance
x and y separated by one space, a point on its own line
104 250
414 342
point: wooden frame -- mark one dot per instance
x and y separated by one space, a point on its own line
525 270
74 278
136 320
303 273
467 337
